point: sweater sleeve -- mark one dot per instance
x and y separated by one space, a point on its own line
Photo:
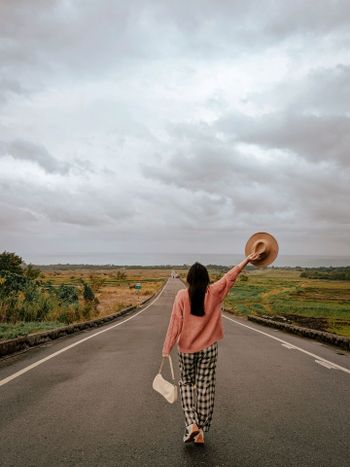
223 285
174 328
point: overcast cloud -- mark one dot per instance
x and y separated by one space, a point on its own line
163 126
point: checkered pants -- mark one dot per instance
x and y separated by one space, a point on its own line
197 385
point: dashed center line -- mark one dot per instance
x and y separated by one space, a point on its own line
326 365
288 346
318 359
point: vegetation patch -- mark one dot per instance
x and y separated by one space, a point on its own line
19 329
33 300
328 273
287 294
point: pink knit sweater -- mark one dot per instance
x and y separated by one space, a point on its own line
193 333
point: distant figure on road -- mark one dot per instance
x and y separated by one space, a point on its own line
196 325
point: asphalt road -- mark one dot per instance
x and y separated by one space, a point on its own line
93 404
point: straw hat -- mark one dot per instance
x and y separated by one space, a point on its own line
265 244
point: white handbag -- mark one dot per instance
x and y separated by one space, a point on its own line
161 385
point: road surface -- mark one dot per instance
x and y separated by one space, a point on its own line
93 405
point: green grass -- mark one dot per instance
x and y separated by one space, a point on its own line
310 308
10 331
284 292
341 330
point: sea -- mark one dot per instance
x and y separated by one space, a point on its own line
179 259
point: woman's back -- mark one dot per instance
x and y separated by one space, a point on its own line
192 332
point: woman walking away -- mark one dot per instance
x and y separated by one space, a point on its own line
196 325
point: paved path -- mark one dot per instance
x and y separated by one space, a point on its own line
94 405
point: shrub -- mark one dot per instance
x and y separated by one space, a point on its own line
47 304
88 293
68 293
88 311
97 283
69 314
121 275
12 282
9 307
32 273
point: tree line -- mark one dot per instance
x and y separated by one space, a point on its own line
329 273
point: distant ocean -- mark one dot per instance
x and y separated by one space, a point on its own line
157 259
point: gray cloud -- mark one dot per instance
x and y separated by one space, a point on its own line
24 150
9 88
324 90
14 217
314 137
85 206
305 187
153 29
28 151
177 125
321 91
222 27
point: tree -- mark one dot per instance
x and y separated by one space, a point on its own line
11 262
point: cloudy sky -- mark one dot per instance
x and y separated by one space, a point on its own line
174 126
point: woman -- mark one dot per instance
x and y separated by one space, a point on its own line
196 325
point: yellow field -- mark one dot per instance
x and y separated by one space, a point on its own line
112 292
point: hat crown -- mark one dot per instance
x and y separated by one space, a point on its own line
260 247
263 244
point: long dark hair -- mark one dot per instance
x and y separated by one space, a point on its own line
198 279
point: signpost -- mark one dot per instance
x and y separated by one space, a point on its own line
138 287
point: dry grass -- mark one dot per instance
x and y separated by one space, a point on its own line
114 294
113 299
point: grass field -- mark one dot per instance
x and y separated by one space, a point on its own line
282 293
278 293
113 293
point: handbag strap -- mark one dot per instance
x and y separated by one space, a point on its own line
171 366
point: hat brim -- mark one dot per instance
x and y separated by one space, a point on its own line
272 248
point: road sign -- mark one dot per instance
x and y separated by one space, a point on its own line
138 286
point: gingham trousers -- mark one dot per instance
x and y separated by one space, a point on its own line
197 385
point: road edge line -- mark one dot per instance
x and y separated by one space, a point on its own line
23 343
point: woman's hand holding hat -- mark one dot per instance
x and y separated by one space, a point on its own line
253 257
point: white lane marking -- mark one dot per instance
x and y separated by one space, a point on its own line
327 365
334 365
43 360
288 346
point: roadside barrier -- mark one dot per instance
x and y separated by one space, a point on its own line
322 336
